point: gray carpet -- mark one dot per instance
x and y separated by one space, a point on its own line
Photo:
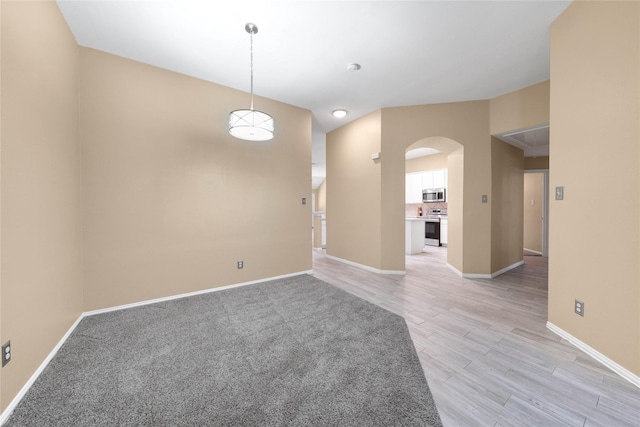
290 352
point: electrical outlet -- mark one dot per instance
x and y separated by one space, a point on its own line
6 353
240 265
304 200
579 308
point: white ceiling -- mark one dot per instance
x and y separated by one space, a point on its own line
533 141
420 152
411 52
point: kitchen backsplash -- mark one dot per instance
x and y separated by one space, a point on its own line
411 209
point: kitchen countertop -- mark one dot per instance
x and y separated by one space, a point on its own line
427 218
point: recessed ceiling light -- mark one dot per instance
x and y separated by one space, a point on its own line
353 67
339 113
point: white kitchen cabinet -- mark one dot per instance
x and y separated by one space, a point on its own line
439 178
415 182
427 179
414 236
444 229
413 188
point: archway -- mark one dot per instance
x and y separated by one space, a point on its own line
366 186
454 165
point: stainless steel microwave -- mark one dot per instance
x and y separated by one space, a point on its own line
434 195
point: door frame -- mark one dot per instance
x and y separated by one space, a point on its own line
545 208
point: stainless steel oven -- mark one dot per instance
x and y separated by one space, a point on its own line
432 232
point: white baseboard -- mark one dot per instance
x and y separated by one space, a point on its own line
623 372
190 294
366 267
25 388
484 276
504 270
531 250
455 270
23 391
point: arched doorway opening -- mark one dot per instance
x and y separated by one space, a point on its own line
435 162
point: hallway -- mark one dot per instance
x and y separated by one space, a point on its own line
486 351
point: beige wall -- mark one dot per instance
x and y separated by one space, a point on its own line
476 165
532 208
467 123
120 183
353 192
520 109
171 200
425 163
1 336
392 201
321 206
321 197
506 210
40 176
455 203
317 231
532 163
353 213
595 114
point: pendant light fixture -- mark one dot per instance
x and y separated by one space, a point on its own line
251 125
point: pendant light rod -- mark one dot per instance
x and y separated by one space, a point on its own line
251 29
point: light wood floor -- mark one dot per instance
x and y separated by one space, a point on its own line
485 349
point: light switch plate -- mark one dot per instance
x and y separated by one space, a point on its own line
559 193
484 198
